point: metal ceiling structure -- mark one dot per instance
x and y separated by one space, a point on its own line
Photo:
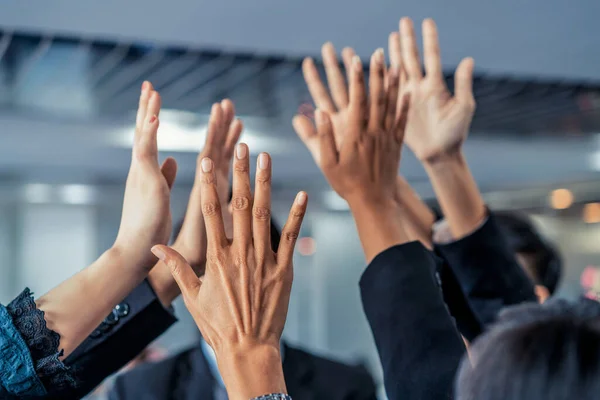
87 78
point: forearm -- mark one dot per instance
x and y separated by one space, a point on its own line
78 305
416 216
251 372
457 193
378 225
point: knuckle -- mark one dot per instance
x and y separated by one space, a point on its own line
240 167
211 209
240 202
263 179
261 213
290 236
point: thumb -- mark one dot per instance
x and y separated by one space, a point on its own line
305 129
182 272
463 81
169 170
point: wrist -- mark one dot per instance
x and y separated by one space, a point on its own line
135 266
251 370
444 160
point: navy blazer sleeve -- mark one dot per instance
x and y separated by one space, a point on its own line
419 347
129 329
488 271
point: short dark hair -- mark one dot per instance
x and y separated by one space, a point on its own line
536 352
524 238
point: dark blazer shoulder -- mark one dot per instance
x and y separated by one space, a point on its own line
336 379
159 378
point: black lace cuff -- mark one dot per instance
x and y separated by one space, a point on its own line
42 342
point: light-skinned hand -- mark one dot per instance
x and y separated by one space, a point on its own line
146 217
438 122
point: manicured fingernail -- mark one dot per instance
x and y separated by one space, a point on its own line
214 108
240 151
158 253
357 63
263 161
153 119
301 198
144 86
206 164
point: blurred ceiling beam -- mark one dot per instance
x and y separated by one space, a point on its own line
196 77
217 89
107 63
30 62
127 75
159 77
4 43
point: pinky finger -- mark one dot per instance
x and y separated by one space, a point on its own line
291 230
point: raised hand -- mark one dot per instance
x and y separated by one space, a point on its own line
222 135
362 168
335 103
146 218
240 304
366 163
438 123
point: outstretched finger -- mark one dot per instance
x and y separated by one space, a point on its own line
182 272
142 106
463 82
393 89
261 209
326 140
306 132
215 127
377 94
211 205
317 89
410 51
335 78
431 51
146 147
233 135
241 199
402 117
358 100
348 54
291 230
228 112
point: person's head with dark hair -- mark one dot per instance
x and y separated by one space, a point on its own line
536 352
540 260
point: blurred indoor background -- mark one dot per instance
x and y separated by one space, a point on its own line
70 76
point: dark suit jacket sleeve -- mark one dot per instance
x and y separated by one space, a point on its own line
488 271
419 347
130 328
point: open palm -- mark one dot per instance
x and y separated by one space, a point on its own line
438 123
335 101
